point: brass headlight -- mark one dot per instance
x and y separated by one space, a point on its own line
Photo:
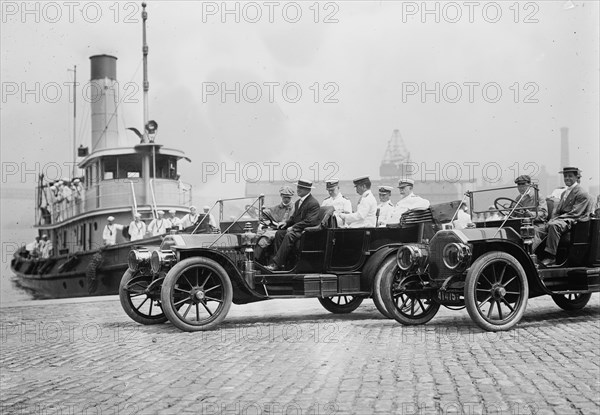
162 260
138 258
456 255
411 256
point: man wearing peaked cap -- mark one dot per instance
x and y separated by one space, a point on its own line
385 206
574 204
306 213
408 200
366 210
527 198
109 234
281 213
340 203
137 228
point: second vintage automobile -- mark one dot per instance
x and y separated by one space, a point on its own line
492 268
193 279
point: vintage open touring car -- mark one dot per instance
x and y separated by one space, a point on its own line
193 278
492 268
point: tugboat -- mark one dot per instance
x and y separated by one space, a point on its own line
121 179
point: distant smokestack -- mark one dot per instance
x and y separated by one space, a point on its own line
564 147
104 99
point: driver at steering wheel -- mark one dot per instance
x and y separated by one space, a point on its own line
526 205
280 213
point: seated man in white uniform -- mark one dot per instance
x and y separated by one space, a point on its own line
385 206
408 200
340 203
364 217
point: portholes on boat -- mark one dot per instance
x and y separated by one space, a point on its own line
81 283
65 285
95 226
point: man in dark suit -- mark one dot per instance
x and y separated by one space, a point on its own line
306 213
574 205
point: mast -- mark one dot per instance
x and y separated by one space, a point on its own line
74 172
146 83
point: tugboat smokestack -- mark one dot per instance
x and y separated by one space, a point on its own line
104 100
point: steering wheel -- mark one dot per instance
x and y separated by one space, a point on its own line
270 220
506 204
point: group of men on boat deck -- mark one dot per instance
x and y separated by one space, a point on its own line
158 226
64 198
40 247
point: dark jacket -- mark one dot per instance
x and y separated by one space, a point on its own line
306 215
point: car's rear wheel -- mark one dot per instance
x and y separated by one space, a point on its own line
140 300
571 302
341 304
196 294
386 267
496 291
406 298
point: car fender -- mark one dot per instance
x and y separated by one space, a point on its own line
373 263
242 293
536 287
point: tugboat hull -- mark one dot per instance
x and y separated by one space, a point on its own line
81 274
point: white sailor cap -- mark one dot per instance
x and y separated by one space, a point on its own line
161 212
172 211
110 218
137 215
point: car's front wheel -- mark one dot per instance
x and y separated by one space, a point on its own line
341 304
140 298
496 291
572 302
406 298
196 294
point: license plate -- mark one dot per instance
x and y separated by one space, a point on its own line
449 296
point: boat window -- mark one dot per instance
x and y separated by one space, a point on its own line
122 167
166 167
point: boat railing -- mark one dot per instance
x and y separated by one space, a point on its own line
51 210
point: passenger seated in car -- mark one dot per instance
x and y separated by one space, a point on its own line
574 205
408 200
306 214
365 215
281 213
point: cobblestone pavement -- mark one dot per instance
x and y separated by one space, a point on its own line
293 357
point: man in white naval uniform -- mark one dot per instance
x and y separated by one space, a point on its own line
137 228
385 206
159 226
340 203
364 217
175 221
408 200
109 234
189 219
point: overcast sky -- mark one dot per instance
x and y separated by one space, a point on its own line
503 77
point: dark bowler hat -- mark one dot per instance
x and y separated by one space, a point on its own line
385 189
331 183
570 170
523 179
361 180
305 183
405 182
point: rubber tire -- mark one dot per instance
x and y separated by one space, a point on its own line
471 299
334 308
571 305
386 266
169 285
128 306
386 281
